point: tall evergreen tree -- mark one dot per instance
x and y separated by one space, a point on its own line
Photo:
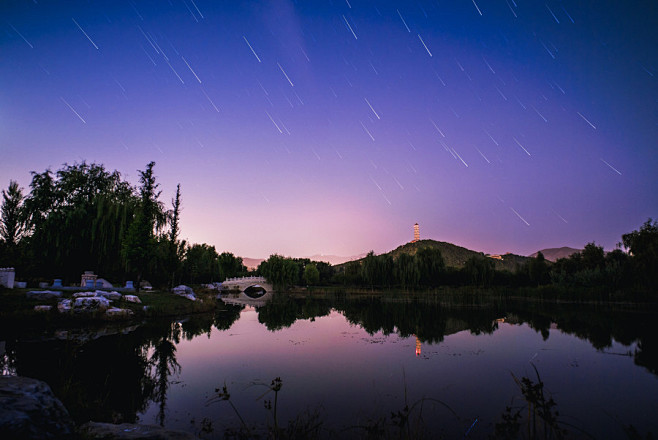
140 240
11 219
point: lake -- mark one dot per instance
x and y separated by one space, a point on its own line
349 367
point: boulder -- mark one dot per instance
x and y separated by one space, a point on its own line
117 313
112 296
105 284
29 410
127 431
182 290
64 306
90 305
132 299
185 292
84 295
42 294
43 308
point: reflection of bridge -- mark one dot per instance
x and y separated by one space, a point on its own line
254 291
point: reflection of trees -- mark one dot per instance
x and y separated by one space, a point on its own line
109 374
225 318
100 379
282 311
163 364
597 324
430 322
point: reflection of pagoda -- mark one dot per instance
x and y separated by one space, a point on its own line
416 233
417 346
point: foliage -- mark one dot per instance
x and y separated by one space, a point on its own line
76 221
230 266
538 270
139 244
479 271
201 264
311 274
12 223
282 272
11 220
542 421
643 247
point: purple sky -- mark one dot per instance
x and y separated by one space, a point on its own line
333 126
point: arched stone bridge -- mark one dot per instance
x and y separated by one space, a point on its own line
247 285
246 291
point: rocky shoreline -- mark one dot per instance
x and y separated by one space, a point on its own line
30 410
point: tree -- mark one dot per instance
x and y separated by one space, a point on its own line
406 270
11 220
175 248
593 257
76 220
140 240
538 269
280 271
230 266
430 265
479 270
643 247
311 274
201 264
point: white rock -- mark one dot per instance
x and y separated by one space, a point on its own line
115 312
43 294
132 299
42 308
182 290
92 304
84 295
112 296
64 306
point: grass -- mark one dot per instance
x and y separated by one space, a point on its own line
16 307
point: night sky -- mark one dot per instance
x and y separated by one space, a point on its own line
307 127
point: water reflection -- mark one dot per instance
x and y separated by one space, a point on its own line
113 374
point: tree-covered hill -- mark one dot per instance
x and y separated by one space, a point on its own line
456 256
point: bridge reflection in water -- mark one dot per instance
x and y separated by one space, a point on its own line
253 291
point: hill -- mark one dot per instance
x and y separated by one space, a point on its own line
552 254
456 256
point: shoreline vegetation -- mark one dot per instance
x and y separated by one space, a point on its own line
17 309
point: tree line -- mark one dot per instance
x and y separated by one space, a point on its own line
633 265
83 217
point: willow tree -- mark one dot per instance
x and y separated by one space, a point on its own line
75 220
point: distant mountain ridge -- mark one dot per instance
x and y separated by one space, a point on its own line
553 254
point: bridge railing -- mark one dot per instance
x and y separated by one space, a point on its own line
228 280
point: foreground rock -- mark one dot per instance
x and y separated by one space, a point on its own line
127 431
185 292
42 294
90 304
29 410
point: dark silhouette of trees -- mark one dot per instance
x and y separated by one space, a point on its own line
139 244
538 270
643 248
12 223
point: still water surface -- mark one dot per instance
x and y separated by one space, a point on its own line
354 363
